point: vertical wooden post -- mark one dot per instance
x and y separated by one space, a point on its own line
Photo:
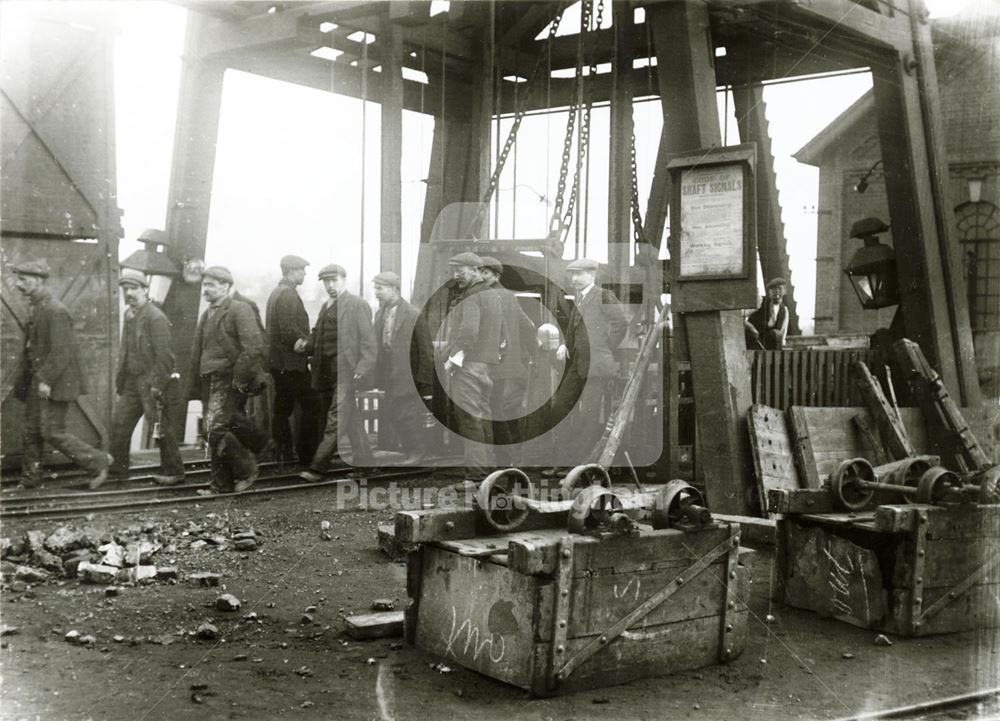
391 225
190 192
751 116
620 147
720 373
932 290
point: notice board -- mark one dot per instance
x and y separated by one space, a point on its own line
713 247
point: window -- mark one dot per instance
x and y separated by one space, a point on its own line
979 232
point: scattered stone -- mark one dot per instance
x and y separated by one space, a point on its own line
227 602
324 525
440 668
199 687
208 631
140 552
304 672
847 654
34 541
49 561
240 657
206 579
251 617
66 538
696 706
112 555
307 618
257 660
87 640
7 568
166 573
27 574
6 630
370 661
141 574
164 640
111 591
325 536
244 536
245 544
97 573
769 618
195 545
118 638
5 545
72 636
882 640
306 704
18 587
383 604
215 540
310 609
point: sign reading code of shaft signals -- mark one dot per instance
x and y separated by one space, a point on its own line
713 230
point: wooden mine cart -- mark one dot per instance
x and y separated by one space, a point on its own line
551 611
912 569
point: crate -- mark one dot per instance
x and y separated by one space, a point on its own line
551 612
912 570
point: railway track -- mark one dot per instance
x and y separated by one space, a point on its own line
981 704
84 502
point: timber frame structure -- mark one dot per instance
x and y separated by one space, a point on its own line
467 52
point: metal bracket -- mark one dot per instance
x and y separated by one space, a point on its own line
958 590
560 615
917 592
642 610
730 600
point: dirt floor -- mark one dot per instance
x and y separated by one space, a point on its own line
148 663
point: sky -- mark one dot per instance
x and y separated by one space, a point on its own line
290 161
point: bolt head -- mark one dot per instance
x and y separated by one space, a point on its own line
604 639
562 623
729 627
565 592
566 553
560 649
732 574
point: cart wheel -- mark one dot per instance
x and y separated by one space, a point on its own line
592 509
910 476
846 483
672 501
500 498
589 474
936 484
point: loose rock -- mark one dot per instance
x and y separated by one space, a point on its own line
27 574
6 630
208 632
49 561
227 602
245 544
66 538
166 573
383 604
72 636
206 579
882 640
97 573
112 555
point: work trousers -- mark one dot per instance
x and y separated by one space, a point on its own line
580 424
232 438
507 404
291 388
470 387
134 402
342 418
45 422
401 423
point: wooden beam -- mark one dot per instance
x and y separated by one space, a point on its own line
620 147
391 225
720 374
751 116
842 17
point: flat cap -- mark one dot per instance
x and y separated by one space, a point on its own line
491 263
293 262
776 282
33 267
219 273
329 271
131 276
387 278
585 264
470 259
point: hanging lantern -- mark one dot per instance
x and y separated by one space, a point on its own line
154 262
872 268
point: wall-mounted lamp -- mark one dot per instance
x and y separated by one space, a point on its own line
862 185
872 268
154 262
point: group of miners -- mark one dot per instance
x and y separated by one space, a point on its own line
481 357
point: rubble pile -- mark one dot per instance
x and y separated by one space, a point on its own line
140 554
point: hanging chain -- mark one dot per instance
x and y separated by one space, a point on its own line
519 113
638 234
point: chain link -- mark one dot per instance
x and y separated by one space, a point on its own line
638 234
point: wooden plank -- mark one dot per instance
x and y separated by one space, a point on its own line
752 530
870 435
802 446
772 452
805 500
895 435
374 625
974 610
387 543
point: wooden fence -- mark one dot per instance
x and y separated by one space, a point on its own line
785 378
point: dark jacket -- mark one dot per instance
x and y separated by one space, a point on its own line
236 329
518 339
409 355
51 354
355 339
760 318
287 322
597 326
155 347
475 326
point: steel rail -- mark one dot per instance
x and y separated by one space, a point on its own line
932 706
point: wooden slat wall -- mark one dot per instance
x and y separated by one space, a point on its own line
785 378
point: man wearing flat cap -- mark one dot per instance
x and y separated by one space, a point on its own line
404 369
767 326
510 377
288 327
596 327
146 381
226 367
49 378
470 353
342 356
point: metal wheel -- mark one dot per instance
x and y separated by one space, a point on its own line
989 485
589 474
846 486
672 501
499 498
592 509
936 484
909 475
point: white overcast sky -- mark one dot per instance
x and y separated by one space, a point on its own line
288 167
